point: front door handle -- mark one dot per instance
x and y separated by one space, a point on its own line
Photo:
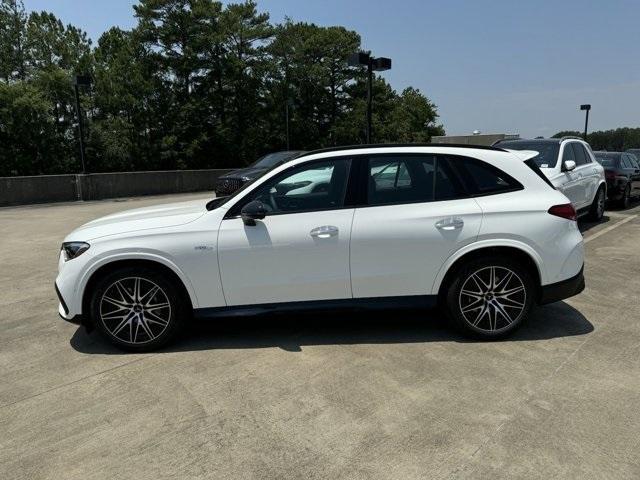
451 223
325 231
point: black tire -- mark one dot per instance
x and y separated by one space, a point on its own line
462 310
626 197
596 212
142 314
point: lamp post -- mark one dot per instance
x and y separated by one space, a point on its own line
373 64
586 108
81 81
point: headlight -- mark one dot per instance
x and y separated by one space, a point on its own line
74 249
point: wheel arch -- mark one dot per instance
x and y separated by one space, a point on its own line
110 265
526 255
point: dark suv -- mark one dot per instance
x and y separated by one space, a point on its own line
622 172
232 181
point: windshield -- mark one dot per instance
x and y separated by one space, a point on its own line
273 159
607 159
547 151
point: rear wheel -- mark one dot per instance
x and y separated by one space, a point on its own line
596 211
490 297
626 197
137 309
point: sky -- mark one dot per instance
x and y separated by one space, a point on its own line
498 66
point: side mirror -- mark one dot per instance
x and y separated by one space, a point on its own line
568 165
253 211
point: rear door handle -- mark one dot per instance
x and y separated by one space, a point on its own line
451 223
324 231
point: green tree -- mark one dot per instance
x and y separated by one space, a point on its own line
13 21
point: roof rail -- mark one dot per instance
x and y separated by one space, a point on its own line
571 137
391 145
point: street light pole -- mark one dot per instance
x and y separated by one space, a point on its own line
369 100
286 114
586 108
81 80
80 128
377 64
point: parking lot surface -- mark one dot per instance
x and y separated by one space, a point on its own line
297 396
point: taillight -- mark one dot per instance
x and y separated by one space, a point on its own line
609 175
565 210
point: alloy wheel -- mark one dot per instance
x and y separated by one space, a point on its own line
492 298
135 310
601 203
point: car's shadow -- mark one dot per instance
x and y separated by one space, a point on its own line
585 225
291 332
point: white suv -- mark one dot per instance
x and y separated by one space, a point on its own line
571 167
474 230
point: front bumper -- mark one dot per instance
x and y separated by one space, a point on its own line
63 310
554 292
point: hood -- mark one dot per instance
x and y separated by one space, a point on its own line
250 172
168 215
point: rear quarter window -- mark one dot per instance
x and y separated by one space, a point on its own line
481 178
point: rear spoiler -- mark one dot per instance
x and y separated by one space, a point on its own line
523 155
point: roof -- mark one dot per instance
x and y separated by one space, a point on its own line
541 140
400 145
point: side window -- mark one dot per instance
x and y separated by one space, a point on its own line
411 179
633 162
313 186
579 153
625 162
567 153
480 178
447 184
399 179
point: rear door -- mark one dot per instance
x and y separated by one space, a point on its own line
634 171
416 214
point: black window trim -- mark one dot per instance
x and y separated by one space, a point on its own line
234 211
357 183
455 170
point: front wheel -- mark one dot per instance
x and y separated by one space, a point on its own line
490 297
137 309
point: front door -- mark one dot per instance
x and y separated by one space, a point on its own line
300 250
570 182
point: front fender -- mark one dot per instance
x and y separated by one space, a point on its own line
100 261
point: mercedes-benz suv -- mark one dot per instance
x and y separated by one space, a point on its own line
571 167
476 231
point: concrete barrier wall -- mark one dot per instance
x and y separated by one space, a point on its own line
97 186
41 189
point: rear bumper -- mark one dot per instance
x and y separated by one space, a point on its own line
554 292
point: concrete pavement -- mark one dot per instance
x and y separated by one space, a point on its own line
385 397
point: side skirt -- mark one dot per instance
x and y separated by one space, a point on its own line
357 304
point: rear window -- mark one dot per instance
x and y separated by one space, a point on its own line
608 159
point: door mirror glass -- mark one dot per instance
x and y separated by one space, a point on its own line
253 211
568 165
